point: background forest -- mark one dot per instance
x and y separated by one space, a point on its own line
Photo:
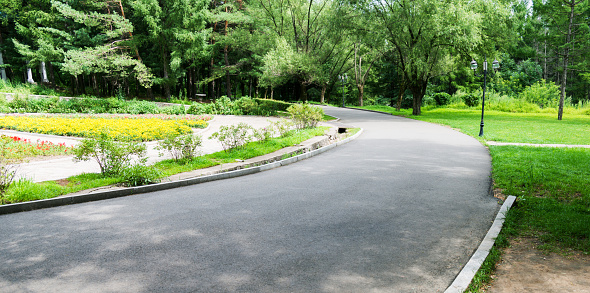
403 53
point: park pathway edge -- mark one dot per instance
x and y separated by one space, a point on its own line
466 275
81 198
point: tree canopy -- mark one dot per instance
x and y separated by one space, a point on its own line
295 49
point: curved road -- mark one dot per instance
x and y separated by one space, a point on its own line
400 209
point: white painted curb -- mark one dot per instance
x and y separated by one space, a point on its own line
464 277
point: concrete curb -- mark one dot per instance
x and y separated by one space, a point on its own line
464 277
67 200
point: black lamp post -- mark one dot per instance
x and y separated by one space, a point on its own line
343 78
495 65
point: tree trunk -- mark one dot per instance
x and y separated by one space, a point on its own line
227 75
303 92
43 73
402 91
566 55
361 88
166 81
2 70
29 74
51 74
418 92
323 93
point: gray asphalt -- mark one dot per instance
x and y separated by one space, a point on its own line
400 209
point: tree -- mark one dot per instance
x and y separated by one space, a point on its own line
107 50
568 33
422 32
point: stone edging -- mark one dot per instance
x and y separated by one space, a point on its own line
464 277
80 198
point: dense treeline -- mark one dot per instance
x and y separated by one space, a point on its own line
396 52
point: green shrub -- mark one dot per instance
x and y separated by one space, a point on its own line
247 106
141 107
471 100
272 105
138 174
305 115
283 127
544 94
181 147
111 156
442 99
173 110
7 174
234 136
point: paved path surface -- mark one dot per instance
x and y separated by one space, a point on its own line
54 169
400 209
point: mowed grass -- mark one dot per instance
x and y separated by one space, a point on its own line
553 185
541 128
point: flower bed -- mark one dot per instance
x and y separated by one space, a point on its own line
117 127
16 148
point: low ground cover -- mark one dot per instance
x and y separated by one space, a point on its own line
137 128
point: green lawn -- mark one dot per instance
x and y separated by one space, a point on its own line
508 127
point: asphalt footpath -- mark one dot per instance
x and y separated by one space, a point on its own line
399 209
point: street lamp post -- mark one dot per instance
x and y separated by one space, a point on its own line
343 78
495 65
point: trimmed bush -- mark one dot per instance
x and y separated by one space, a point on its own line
471 100
442 99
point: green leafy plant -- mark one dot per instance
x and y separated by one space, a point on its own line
7 174
471 100
442 99
264 133
544 94
137 175
181 147
111 156
305 115
283 127
233 136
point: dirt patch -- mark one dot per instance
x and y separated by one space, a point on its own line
525 268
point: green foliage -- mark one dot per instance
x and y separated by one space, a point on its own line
553 190
138 175
305 115
544 94
242 106
470 100
233 137
7 174
442 99
181 147
283 127
111 156
25 190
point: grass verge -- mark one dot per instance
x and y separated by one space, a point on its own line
25 190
